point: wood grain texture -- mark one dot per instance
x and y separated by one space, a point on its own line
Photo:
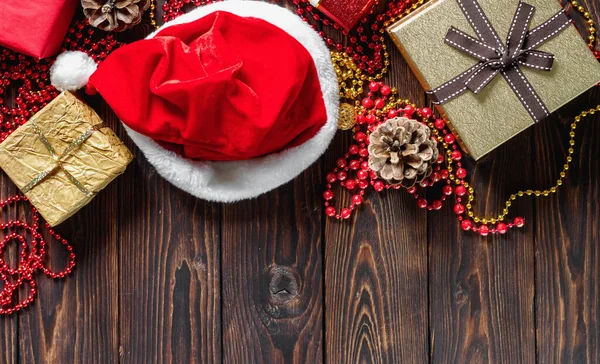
376 268
272 275
169 292
567 236
481 290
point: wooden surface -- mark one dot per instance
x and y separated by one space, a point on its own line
162 277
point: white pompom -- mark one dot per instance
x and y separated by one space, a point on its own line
71 71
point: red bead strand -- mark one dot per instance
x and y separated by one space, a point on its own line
32 255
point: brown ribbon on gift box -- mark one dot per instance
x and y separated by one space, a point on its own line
495 57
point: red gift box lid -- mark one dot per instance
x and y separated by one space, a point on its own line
35 27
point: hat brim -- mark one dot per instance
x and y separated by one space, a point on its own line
237 180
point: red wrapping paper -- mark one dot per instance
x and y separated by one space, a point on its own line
346 13
35 27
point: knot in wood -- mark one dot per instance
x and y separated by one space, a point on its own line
284 284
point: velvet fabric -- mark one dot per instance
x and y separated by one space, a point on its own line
35 27
222 87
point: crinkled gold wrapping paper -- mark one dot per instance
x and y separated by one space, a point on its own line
485 121
95 163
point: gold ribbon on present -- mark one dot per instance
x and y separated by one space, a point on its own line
58 159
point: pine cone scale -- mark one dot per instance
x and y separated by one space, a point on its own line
114 15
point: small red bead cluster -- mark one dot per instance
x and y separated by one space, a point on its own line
32 255
352 171
30 76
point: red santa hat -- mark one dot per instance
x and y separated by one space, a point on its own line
227 102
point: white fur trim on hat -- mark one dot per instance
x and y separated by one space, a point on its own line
72 70
237 180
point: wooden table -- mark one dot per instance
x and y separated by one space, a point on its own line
164 277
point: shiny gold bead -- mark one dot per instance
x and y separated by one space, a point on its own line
572 134
563 174
529 192
505 211
571 142
574 3
581 9
469 206
508 203
520 194
569 159
546 193
566 167
559 183
513 197
484 221
493 221
476 219
537 193
577 119
471 214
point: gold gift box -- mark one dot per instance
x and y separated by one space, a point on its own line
74 175
485 121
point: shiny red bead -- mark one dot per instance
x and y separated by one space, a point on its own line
466 225
460 191
440 124
426 113
328 195
501 228
436 205
409 110
449 138
447 190
378 186
461 173
341 162
367 103
422 203
379 104
459 209
484 230
330 211
345 214
392 114
357 199
350 184
331 177
341 176
374 86
456 155
386 90
519 222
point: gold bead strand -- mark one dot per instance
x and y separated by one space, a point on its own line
537 193
588 20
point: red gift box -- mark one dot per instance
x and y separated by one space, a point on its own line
35 27
344 12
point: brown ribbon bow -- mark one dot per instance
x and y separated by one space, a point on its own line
495 57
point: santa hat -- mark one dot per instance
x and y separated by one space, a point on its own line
227 102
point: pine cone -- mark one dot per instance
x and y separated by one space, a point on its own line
114 15
401 151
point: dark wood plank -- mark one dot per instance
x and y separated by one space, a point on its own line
482 289
376 267
169 293
77 316
272 276
568 257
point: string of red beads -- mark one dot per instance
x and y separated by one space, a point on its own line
31 258
352 172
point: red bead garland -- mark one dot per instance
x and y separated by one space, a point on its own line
32 255
352 172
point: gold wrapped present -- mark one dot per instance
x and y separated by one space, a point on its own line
62 157
495 67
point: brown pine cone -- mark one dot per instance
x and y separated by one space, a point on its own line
401 151
114 15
